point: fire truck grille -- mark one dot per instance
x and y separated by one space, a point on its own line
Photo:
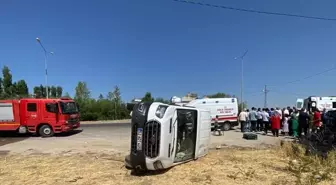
151 134
73 120
134 139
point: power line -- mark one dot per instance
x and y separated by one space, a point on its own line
307 77
289 93
256 11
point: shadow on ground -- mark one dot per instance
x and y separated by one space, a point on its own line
68 134
11 137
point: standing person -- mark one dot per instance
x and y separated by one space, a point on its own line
323 116
285 125
265 117
275 123
287 111
295 123
290 127
260 120
243 119
316 120
217 127
253 117
270 111
248 121
279 111
303 122
311 121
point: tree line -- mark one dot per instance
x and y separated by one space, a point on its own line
19 89
105 107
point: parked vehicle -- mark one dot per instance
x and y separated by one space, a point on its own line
167 135
225 108
39 116
328 103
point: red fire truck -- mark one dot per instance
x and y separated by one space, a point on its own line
39 116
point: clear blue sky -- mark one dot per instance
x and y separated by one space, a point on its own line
171 48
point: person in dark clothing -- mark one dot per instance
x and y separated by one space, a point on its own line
253 117
260 120
303 122
290 110
323 116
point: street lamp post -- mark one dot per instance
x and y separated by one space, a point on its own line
45 65
242 80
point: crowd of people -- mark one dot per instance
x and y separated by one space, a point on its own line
290 121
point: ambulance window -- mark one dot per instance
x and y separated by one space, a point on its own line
334 105
31 107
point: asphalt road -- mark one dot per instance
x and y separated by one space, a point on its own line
104 130
108 137
107 125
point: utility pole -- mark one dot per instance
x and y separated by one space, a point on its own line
242 80
265 96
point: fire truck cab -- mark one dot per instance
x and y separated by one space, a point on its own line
39 116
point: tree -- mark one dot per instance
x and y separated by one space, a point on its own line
1 88
22 88
53 92
101 97
219 95
43 91
67 95
13 90
116 94
148 97
59 91
7 82
37 92
82 91
240 106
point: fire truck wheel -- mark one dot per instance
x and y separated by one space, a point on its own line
46 131
226 126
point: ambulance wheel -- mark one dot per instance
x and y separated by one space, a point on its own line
226 126
46 131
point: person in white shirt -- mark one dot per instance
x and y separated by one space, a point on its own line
265 117
286 112
243 118
279 111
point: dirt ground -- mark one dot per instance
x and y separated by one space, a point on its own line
229 167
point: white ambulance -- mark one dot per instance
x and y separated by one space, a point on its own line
225 108
327 102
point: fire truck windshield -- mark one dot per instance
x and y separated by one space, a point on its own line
69 107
